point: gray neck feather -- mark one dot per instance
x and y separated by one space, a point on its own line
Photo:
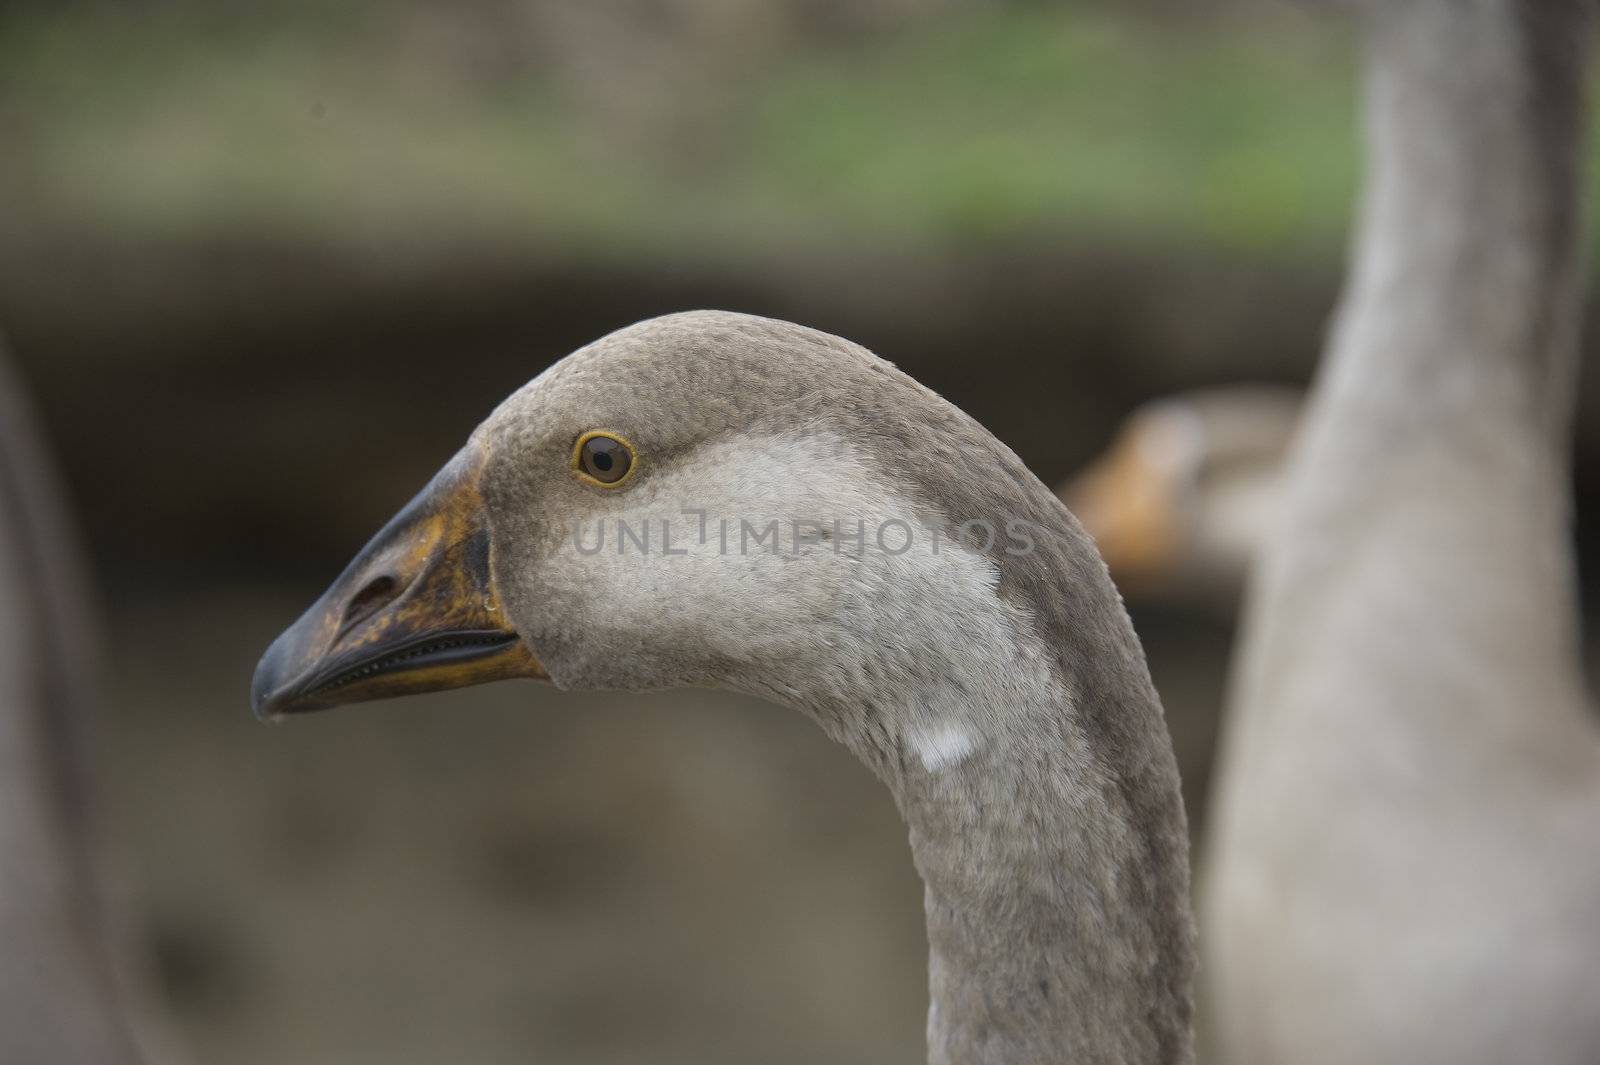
58 988
1055 856
1058 924
1454 351
1056 861
1411 775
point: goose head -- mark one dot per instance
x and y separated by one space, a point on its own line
1179 503
709 500
716 500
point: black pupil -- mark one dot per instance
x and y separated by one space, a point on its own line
606 459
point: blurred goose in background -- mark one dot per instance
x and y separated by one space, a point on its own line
60 1001
993 683
1404 864
1178 504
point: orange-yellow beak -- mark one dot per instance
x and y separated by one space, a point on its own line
1126 503
416 611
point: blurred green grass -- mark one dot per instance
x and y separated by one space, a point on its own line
1075 119
997 123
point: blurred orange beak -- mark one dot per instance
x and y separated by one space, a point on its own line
416 611
1126 503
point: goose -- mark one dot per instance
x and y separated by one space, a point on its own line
1403 863
1178 502
716 500
61 999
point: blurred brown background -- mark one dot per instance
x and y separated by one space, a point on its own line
266 265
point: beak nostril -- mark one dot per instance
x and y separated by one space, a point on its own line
378 592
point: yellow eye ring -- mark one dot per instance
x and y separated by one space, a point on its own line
604 459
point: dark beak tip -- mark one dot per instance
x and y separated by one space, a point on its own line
261 699
267 689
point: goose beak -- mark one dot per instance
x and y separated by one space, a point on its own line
416 611
1125 500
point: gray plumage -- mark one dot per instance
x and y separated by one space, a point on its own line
1001 694
58 989
1404 864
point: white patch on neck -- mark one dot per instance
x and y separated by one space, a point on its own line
943 746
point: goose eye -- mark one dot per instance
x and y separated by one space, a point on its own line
603 458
